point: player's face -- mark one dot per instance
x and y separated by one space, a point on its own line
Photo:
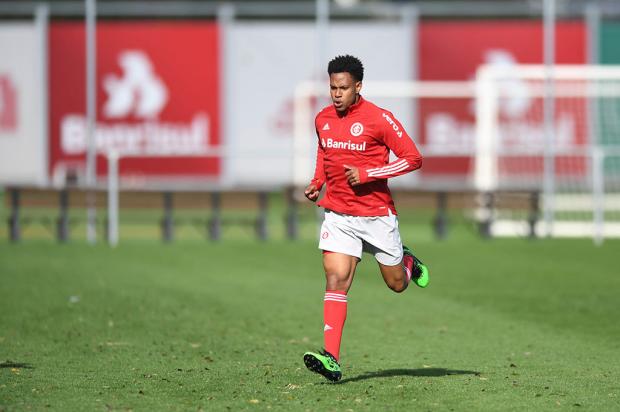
344 90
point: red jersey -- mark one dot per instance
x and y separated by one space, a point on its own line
362 138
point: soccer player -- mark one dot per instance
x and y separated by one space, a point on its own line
355 138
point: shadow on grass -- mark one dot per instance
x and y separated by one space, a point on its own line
424 372
10 364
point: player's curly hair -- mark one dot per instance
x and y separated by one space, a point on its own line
348 64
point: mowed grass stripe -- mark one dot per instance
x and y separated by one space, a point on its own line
194 325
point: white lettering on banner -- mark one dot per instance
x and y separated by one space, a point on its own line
447 134
141 93
392 123
348 145
148 138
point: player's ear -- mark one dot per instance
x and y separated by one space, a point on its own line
358 87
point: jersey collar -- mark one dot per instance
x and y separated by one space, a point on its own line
355 106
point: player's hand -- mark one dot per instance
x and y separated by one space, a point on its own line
312 193
352 174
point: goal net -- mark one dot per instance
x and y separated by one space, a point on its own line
554 136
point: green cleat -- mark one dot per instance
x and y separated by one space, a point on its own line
324 364
420 270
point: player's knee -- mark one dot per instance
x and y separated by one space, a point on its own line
397 285
394 277
337 280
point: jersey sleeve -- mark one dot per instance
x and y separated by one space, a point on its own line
319 170
394 136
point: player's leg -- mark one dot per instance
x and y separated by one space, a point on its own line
417 271
339 272
395 276
397 264
410 268
381 238
342 251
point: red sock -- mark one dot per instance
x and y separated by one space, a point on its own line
408 264
334 315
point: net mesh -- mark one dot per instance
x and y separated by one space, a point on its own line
583 159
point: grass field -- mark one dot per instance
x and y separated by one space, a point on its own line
504 325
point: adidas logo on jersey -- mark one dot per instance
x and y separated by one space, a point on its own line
326 127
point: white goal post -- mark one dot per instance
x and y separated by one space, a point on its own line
113 183
571 155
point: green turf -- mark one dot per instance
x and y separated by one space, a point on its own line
504 325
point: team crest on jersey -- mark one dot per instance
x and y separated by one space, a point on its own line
357 129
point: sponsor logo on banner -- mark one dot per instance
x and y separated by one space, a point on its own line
446 132
8 104
447 126
139 91
134 101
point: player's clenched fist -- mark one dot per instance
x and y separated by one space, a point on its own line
352 174
312 193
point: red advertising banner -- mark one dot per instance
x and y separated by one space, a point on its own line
157 98
453 50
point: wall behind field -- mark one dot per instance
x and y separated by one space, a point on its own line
23 134
168 91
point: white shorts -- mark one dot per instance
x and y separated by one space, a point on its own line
353 235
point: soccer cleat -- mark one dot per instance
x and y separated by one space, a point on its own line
420 270
324 364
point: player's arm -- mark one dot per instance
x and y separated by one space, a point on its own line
398 141
314 188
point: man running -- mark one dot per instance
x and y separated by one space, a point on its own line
355 138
